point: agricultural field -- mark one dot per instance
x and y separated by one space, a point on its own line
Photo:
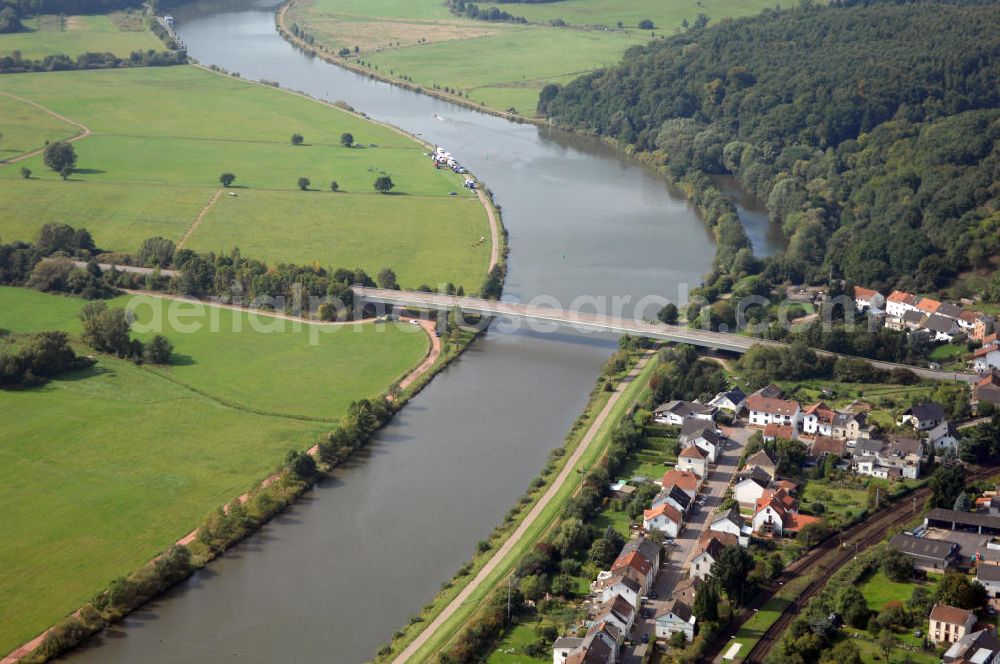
141 454
500 65
138 178
119 33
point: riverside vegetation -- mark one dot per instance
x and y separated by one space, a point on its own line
872 175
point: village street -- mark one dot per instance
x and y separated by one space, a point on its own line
674 566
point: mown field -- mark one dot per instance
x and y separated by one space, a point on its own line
119 33
501 65
122 453
162 137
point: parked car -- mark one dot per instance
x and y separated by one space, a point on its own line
653 595
645 638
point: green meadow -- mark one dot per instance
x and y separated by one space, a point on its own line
125 453
118 33
501 65
163 135
25 129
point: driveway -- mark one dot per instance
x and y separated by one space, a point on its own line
674 566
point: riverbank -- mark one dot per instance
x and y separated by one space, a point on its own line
320 52
528 521
268 498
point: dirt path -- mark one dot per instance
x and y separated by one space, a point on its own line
494 229
568 470
430 327
201 215
84 132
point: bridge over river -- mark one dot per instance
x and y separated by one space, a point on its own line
725 341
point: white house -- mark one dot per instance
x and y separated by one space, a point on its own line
750 486
642 566
709 440
986 359
942 437
989 577
898 303
674 617
674 496
923 416
625 582
707 552
599 645
866 299
730 522
677 412
732 400
940 328
620 613
766 410
686 480
769 519
817 420
664 518
693 459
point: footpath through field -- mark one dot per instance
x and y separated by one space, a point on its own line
568 469
84 129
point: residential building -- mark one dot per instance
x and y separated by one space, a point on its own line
900 459
624 581
989 577
775 430
599 646
750 486
923 416
943 437
817 419
762 459
928 555
776 515
948 624
707 551
664 518
730 522
685 479
986 359
898 303
768 410
677 412
647 548
940 328
674 496
693 459
732 400
866 299
980 647
686 590
636 561
987 389
709 440
620 613
824 445
674 617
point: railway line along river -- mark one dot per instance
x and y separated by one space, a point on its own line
332 578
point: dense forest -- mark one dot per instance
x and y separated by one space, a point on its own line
872 131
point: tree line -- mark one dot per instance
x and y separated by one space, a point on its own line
15 63
870 130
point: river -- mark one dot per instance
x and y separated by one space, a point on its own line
332 578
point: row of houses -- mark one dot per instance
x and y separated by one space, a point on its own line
943 321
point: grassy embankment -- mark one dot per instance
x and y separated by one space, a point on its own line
498 65
162 137
545 521
119 33
123 453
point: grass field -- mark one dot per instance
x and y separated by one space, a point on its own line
502 65
879 590
134 457
751 631
118 33
138 177
24 128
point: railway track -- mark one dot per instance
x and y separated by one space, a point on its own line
821 562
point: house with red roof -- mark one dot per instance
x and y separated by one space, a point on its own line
986 358
898 303
776 515
866 299
987 389
689 482
664 518
770 410
636 561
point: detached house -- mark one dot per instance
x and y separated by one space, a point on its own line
678 412
777 515
707 552
674 617
599 646
761 459
646 548
685 479
987 389
821 420
766 410
730 522
940 328
866 299
664 518
732 400
693 459
923 416
707 438
948 624
674 496
750 486
986 358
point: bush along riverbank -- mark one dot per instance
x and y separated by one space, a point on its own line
229 524
461 627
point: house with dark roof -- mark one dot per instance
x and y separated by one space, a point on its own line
675 617
624 581
686 590
674 496
709 440
948 624
940 328
750 486
980 647
987 388
927 554
693 459
647 548
707 551
761 459
618 612
677 412
731 522
732 400
923 416
989 577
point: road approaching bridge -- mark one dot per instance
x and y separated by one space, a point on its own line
725 341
